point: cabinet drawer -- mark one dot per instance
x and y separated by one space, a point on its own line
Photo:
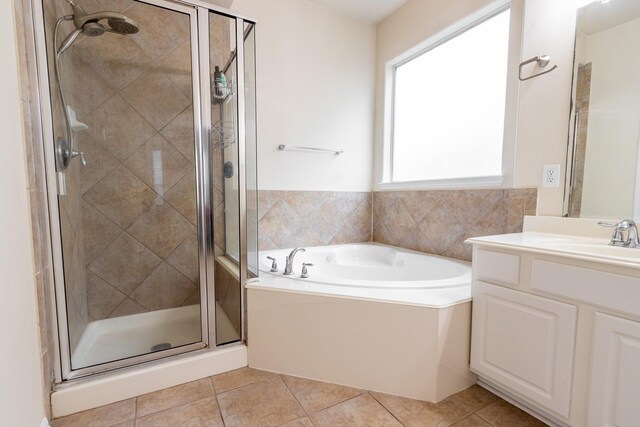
525 343
496 267
591 286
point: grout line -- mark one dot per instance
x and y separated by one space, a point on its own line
294 396
387 409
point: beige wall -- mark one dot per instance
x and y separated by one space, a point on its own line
538 110
543 113
21 392
415 26
315 88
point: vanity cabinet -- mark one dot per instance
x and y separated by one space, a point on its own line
558 333
614 397
524 342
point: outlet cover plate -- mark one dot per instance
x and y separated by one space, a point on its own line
551 176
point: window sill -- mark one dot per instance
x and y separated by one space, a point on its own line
439 184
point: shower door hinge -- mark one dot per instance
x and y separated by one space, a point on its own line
62 183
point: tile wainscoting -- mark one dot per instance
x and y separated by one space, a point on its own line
436 222
312 218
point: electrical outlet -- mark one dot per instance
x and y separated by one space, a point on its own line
551 176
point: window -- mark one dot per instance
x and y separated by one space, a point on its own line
449 106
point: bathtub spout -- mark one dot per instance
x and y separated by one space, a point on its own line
288 269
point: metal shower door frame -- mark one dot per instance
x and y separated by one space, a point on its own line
198 12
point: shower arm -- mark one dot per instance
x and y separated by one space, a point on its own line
65 149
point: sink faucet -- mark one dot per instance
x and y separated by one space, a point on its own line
288 269
617 239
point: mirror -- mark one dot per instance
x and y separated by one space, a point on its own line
604 132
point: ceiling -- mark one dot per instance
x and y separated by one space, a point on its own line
599 16
372 11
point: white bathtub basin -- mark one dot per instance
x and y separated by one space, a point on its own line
370 265
371 272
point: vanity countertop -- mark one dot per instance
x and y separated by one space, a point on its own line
594 249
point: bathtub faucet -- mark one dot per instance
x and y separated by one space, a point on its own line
288 269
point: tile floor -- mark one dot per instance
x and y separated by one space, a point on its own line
248 397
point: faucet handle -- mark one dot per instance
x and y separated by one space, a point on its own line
274 264
617 239
305 272
607 224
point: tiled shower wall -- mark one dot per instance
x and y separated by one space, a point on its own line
435 222
136 196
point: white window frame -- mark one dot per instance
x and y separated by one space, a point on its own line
505 179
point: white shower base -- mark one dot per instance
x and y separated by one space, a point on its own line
127 336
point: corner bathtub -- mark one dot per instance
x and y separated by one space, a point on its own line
369 316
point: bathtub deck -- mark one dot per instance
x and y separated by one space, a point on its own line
247 397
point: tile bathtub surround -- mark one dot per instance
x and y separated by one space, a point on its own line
439 221
248 397
312 218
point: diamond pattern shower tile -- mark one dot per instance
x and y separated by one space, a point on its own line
179 132
121 197
185 258
161 30
124 264
118 60
115 5
155 97
158 164
119 128
161 229
182 197
99 161
177 66
99 231
164 288
127 308
87 89
102 297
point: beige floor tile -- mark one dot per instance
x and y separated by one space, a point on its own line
503 414
361 411
314 396
238 378
174 396
472 421
475 397
300 422
416 413
203 413
261 404
104 416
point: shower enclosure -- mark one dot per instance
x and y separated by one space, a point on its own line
150 162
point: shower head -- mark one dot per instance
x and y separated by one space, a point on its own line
122 26
89 24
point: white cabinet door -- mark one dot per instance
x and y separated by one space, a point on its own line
524 343
614 398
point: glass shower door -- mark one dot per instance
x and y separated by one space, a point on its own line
128 219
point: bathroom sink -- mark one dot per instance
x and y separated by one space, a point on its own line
598 249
